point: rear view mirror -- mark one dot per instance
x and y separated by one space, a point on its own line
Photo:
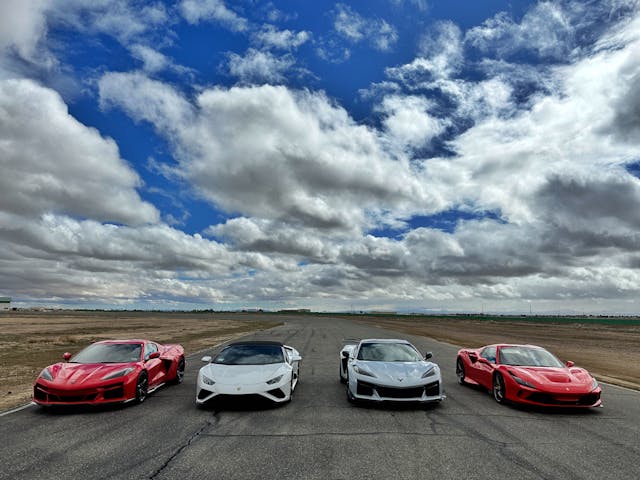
345 354
154 355
428 355
66 356
296 358
206 359
569 364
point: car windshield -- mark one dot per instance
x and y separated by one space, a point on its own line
388 352
528 357
250 355
109 353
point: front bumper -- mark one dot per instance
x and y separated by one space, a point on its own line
539 398
278 393
425 393
49 394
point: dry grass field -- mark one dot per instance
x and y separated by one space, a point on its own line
29 341
609 351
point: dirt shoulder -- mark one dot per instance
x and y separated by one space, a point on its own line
609 352
31 341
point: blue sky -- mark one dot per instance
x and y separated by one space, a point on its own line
412 155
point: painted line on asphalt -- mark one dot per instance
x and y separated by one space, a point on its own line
17 409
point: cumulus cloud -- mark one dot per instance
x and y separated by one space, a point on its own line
408 122
196 11
51 162
256 66
354 27
271 37
22 26
307 161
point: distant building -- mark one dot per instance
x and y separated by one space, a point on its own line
295 310
5 303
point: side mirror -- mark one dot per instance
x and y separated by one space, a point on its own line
66 356
154 355
296 358
206 359
428 355
345 354
569 364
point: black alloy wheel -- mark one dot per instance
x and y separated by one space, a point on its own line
460 371
498 388
142 387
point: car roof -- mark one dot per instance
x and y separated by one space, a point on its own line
502 345
132 340
256 342
384 340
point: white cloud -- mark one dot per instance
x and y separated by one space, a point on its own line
270 37
356 28
22 26
53 163
196 11
153 61
408 122
258 67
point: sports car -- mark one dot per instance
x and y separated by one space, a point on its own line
259 368
389 370
111 371
527 374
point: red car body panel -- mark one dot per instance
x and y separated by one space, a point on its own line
85 383
566 386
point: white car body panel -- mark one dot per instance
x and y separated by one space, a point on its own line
391 381
250 379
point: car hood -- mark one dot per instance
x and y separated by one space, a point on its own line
243 374
84 373
394 372
550 376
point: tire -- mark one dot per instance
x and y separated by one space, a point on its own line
460 374
350 398
342 379
498 390
142 387
179 371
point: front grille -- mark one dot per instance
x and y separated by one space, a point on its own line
202 394
367 389
52 395
564 400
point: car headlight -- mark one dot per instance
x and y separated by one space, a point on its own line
521 381
594 384
207 380
275 380
429 373
361 371
119 373
46 374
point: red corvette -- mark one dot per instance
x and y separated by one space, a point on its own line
110 371
527 374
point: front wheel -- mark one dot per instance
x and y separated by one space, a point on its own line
460 371
499 391
179 371
142 387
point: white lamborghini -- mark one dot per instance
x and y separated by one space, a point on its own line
389 370
267 369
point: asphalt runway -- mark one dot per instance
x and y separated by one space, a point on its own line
319 435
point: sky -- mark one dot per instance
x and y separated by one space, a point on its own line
406 155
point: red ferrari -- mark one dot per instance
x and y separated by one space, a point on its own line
110 371
527 374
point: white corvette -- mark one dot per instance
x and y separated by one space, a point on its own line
389 370
267 369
